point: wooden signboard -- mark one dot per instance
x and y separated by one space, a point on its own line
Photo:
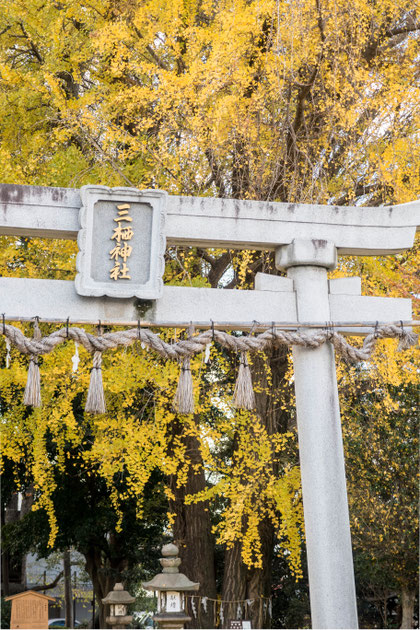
29 610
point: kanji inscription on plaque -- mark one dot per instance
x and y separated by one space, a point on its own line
121 242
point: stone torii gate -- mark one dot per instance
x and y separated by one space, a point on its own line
306 240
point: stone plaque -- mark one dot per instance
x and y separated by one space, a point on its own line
121 242
29 610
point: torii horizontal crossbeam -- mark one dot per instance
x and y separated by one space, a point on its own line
229 223
57 300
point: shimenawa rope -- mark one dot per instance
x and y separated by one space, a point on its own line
184 349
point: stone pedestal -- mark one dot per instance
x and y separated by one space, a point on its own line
119 623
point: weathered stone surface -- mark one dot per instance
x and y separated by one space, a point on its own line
57 299
269 282
336 286
315 252
121 242
345 286
213 222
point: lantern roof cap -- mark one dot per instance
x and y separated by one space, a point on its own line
170 579
171 582
118 596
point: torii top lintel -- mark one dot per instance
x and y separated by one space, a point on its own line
229 223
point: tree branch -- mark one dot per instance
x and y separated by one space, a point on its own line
45 587
373 45
110 161
218 268
402 30
205 256
363 189
320 20
31 44
151 52
216 172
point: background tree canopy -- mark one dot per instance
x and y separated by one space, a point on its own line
312 101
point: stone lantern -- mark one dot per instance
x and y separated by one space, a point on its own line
118 599
171 586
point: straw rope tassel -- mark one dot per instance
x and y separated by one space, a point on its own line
95 401
184 398
407 339
8 346
32 396
243 396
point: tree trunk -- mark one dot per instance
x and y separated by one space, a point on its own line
192 530
260 581
14 566
234 583
68 599
241 583
5 586
101 579
408 599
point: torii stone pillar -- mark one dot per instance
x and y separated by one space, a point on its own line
330 561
